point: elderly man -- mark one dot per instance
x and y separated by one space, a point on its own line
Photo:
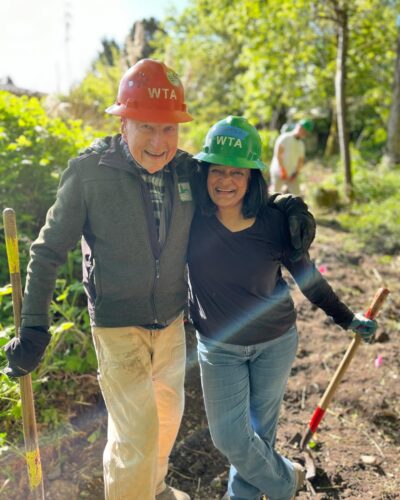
129 199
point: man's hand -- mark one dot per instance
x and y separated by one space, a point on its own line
25 352
300 221
284 175
365 327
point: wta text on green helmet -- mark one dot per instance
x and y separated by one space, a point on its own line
232 141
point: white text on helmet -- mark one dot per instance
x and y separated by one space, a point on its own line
168 94
236 143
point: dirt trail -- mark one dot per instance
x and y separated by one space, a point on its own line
357 446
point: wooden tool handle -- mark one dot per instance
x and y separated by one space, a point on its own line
373 309
32 453
10 231
377 303
323 404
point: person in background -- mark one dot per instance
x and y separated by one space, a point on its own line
288 159
242 310
129 199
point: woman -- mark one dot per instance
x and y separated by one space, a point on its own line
242 310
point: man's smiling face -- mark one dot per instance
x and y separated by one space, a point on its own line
152 145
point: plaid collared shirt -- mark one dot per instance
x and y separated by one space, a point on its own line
154 183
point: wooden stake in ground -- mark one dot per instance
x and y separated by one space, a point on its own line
323 404
32 453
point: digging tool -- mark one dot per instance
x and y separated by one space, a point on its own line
323 404
32 453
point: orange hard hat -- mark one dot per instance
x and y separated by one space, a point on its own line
150 91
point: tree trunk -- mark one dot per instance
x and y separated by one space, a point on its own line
340 94
332 146
393 142
138 42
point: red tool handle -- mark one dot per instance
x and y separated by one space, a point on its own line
323 404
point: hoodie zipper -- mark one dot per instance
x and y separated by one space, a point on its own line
156 259
157 262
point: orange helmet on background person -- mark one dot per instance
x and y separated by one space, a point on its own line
150 91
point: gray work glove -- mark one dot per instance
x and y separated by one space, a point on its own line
25 352
365 327
300 221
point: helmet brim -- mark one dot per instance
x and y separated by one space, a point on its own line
236 162
153 116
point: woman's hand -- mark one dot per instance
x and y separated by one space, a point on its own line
365 327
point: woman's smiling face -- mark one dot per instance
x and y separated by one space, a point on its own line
227 186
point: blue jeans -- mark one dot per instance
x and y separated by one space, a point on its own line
243 388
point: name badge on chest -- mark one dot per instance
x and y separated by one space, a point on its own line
185 192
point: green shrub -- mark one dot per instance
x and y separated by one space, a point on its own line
34 150
374 215
69 353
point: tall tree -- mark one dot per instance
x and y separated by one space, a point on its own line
109 53
138 42
341 19
393 142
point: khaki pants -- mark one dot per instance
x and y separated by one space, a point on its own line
285 186
141 376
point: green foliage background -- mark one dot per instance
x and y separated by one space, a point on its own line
269 61
34 150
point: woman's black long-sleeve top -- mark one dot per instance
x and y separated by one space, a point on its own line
237 292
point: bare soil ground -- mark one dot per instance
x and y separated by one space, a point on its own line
357 445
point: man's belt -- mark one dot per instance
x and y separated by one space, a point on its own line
159 326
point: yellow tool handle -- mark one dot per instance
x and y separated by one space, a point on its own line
32 453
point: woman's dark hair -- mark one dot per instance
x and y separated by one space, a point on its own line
255 197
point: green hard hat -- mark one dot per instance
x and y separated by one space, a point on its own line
232 142
307 124
287 127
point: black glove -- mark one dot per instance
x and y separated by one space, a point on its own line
25 352
300 221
